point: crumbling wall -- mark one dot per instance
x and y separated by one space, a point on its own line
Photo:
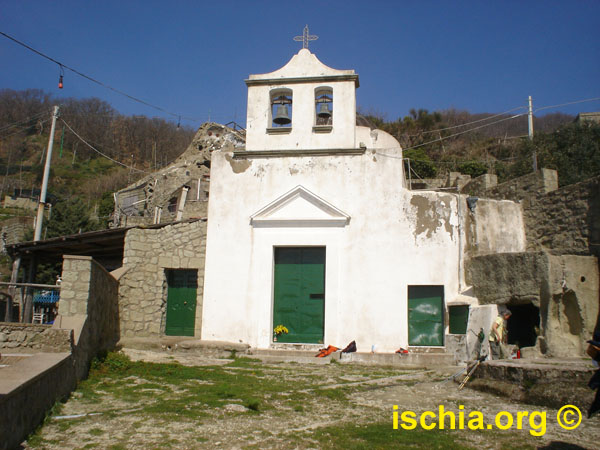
156 198
565 288
147 253
493 226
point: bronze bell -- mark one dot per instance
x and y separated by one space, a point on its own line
282 116
323 111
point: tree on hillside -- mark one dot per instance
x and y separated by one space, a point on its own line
573 150
69 217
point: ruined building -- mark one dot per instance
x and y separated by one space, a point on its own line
180 190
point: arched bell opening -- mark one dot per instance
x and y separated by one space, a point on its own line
323 106
281 107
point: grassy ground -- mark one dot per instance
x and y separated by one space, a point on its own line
243 403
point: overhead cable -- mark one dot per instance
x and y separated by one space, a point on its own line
469 123
93 80
23 129
568 103
28 119
98 151
466 131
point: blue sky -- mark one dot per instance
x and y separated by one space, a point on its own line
191 57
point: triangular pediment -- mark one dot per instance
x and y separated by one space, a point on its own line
299 208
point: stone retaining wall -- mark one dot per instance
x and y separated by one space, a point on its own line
522 188
566 221
28 390
14 229
143 288
26 337
88 317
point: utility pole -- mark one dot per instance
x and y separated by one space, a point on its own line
28 302
42 203
530 117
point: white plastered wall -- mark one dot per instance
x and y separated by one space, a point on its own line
394 238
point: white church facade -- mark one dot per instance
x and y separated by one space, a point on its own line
311 226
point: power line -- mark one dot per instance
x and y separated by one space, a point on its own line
468 123
466 131
98 151
501 114
568 103
22 130
93 80
14 124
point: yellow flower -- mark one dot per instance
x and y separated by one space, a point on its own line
280 329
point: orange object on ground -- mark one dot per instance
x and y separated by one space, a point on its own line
327 351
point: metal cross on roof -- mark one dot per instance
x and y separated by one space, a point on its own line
306 37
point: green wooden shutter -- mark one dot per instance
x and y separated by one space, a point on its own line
458 316
426 315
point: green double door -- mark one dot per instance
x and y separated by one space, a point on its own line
181 302
426 315
299 293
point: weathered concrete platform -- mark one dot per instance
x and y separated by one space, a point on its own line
553 382
572 370
216 349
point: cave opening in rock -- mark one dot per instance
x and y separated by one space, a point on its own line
523 325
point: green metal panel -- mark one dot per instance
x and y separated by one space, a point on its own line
458 316
181 302
299 293
426 315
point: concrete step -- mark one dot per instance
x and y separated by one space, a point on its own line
409 360
302 354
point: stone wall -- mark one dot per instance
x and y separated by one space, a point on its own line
20 202
478 186
531 185
143 289
28 389
88 305
88 318
14 229
27 337
566 221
